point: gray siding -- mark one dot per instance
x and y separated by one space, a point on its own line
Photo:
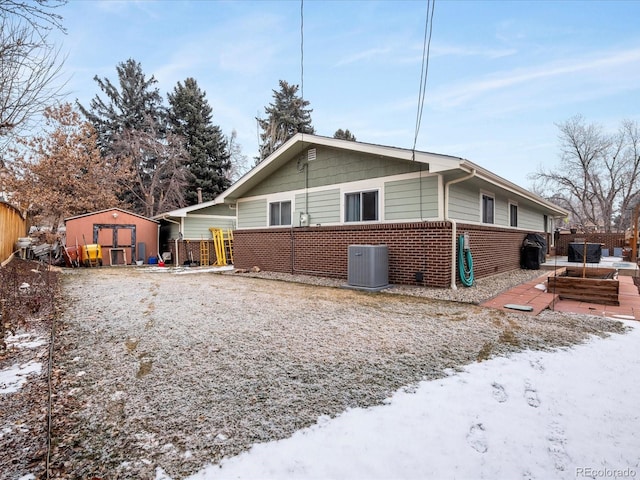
402 199
252 213
501 214
530 219
329 168
465 205
464 202
324 207
222 209
197 228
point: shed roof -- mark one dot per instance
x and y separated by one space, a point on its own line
110 210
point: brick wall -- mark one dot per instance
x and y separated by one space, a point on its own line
608 240
413 247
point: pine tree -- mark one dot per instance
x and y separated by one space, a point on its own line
286 116
132 129
129 107
344 135
209 158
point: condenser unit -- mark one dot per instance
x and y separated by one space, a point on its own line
368 267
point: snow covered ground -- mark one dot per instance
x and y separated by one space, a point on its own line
13 377
573 413
567 414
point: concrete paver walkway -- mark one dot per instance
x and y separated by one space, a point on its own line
531 294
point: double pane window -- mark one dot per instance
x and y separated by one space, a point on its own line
280 213
361 206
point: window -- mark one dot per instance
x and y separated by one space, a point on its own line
280 213
513 215
361 206
487 208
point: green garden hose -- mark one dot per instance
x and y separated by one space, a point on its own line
465 263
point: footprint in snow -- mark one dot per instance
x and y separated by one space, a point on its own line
531 395
498 392
476 438
537 365
557 452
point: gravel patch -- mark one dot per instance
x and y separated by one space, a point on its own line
176 371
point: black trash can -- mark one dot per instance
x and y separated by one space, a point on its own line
530 257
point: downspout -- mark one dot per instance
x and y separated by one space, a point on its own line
454 225
176 240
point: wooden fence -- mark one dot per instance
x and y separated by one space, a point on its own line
12 227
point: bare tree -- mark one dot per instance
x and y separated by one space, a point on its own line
29 64
597 178
60 172
156 174
239 161
39 14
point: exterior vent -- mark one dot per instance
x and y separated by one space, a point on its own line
311 154
368 267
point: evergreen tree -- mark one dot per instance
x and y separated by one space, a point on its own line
130 107
286 116
209 158
344 135
132 130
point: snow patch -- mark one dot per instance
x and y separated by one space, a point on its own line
14 377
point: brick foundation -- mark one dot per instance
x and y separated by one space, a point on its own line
413 247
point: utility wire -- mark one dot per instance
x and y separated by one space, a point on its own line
426 47
302 49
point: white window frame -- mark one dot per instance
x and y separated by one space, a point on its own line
360 213
279 203
482 210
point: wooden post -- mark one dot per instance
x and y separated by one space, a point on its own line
584 258
634 240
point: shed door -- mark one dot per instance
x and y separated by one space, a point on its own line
116 236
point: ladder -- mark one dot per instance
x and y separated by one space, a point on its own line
204 253
223 245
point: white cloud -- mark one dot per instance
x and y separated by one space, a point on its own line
365 55
592 68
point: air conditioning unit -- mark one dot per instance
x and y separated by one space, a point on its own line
368 267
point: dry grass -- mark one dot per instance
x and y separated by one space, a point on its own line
180 370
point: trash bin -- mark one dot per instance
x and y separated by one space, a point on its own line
530 257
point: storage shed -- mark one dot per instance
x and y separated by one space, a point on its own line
124 236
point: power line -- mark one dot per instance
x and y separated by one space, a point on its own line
302 49
426 47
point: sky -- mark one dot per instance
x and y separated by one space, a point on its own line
570 413
502 75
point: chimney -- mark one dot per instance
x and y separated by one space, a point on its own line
199 195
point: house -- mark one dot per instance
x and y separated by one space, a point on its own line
12 226
300 209
183 231
125 237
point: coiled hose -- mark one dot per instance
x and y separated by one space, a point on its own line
465 263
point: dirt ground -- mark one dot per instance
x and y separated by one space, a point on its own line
154 369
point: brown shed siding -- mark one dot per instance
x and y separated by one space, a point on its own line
12 227
114 232
413 247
